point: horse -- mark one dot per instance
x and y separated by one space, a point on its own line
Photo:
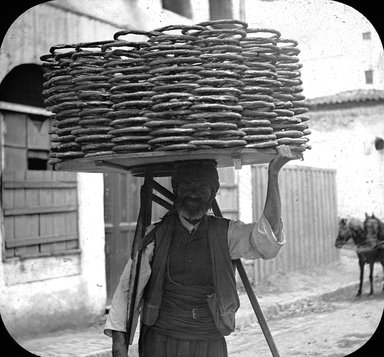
368 250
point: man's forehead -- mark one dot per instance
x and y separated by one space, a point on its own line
194 176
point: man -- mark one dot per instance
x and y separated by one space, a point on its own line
187 287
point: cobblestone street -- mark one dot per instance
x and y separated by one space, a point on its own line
339 329
310 313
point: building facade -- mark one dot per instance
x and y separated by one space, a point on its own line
53 256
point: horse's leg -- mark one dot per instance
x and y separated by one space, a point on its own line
371 265
361 264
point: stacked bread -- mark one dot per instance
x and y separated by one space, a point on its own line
218 84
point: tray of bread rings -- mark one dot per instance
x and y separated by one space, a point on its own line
218 89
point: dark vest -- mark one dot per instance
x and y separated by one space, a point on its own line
224 302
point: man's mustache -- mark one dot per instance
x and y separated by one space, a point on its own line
193 199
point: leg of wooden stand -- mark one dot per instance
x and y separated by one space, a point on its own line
251 295
143 221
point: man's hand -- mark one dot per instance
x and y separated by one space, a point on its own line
284 154
119 344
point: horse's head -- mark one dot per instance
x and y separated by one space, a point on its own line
371 228
344 234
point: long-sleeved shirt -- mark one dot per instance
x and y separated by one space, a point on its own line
245 240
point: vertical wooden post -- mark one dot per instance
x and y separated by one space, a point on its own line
143 221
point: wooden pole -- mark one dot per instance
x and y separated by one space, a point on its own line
251 295
143 221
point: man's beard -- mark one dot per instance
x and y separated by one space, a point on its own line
192 212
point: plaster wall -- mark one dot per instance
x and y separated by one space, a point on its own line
334 53
343 139
44 294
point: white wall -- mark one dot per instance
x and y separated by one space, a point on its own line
344 140
43 294
333 52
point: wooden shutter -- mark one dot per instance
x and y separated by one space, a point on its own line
40 212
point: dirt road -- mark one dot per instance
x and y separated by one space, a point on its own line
340 329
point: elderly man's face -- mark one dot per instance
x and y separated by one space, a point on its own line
193 197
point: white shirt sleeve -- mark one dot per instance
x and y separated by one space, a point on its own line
254 240
117 316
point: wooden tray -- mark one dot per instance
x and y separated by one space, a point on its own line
160 162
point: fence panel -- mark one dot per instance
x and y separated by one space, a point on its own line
40 212
309 213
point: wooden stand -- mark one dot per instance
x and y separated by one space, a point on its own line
147 197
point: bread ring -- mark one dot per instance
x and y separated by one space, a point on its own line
132 95
219 143
169 114
257 104
288 134
219 91
170 131
220 73
169 139
96 146
63 123
262 144
93 111
98 153
93 138
66 138
248 113
291 141
71 146
126 139
69 155
94 121
299 110
92 130
261 137
175 77
174 60
216 106
254 123
129 87
132 104
175 70
284 112
164 123
131 147
221 99
223 126
65 130
198 126
221 82
128 130
214 115
171 105
184 86
257 130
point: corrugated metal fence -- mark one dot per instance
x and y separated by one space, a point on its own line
309 213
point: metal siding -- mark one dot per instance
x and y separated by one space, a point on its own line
309 216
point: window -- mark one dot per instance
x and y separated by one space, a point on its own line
369 77
182 8
367 35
